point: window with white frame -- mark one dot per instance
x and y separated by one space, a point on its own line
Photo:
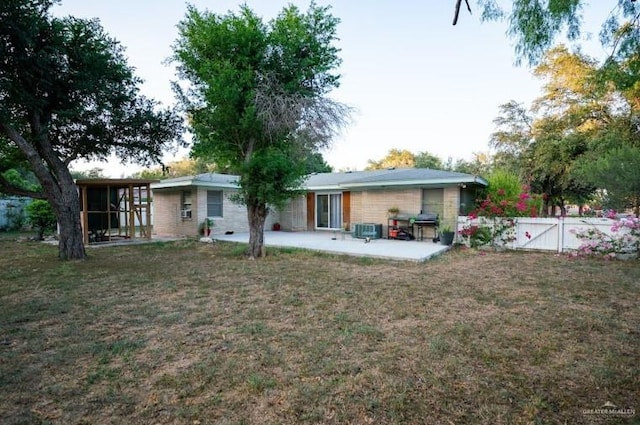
185 211
214 203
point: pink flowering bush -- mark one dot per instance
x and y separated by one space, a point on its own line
496 212
624 239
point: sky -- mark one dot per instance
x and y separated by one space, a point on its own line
416 82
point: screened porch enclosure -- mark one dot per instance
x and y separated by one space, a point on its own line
115 209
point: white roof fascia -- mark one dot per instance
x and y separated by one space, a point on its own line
319 188
188 183
379 183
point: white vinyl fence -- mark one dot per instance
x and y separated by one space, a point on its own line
547 234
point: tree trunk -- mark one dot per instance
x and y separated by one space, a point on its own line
563 208
257 214
545 206
57 184
40 231
70 242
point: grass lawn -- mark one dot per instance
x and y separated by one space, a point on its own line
189 333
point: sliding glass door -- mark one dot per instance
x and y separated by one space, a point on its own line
329 211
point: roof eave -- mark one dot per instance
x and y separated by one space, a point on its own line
188 183
328 187
447 181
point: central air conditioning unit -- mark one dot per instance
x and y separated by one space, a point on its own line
186 213
367 230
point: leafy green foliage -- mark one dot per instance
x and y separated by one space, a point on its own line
512 137
315 163
535 25
396 158
75 78
94 173
505 182
41 216
428 160
479 165
182 167
618 173
23 180
68 93
402 158
255 95
493 219
552 161
570 121
271 177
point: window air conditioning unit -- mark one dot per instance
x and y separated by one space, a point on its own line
186 213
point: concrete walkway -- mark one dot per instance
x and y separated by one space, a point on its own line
328 241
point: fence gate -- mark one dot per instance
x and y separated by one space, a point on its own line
539 233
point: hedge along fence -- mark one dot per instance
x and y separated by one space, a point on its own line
545 234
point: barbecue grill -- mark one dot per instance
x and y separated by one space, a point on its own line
423 220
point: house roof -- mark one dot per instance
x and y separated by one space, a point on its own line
203 180
390 178
341 181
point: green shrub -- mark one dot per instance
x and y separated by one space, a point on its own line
505 182
41 216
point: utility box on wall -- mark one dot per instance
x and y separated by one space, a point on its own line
367 230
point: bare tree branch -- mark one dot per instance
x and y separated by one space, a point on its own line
316 120
457 10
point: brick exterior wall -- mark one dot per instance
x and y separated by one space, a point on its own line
371 206
167 205
451 206
293 217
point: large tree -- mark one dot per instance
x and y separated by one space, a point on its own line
256 95
67 93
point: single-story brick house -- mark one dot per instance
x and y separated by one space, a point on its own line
332 200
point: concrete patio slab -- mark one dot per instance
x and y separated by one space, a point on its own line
335 243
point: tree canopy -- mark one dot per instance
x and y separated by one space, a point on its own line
67 93
396 158
257 96
536 25
571 140
616 171
480 164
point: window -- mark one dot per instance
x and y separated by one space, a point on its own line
214 203
433 201
329 211
186 204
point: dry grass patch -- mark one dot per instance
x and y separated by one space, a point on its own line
191 333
